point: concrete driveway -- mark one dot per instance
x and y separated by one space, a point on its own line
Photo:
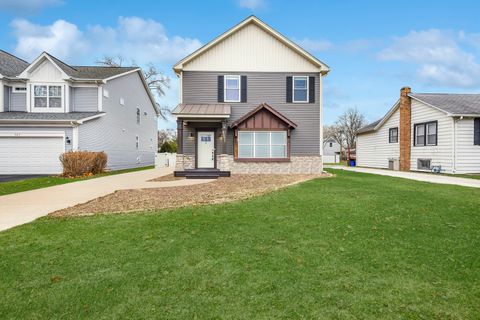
426 177
23 207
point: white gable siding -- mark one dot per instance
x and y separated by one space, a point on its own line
251 49
468 155
46 72
442 153
374 150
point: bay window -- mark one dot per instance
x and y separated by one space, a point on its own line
45 96
262 145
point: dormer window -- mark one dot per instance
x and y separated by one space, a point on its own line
47 96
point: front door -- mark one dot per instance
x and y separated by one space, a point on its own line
206 149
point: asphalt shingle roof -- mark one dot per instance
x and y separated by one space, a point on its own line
11 66
369 127
455 104
71 116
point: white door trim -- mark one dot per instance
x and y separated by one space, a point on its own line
211 152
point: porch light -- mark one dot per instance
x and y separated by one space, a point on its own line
191 136
67 140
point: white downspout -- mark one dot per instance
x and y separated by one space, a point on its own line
454 149
321 117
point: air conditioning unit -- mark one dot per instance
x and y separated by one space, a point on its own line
393 164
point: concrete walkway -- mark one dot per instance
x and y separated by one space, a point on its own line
23 207
426 177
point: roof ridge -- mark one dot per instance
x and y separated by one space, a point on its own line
445 94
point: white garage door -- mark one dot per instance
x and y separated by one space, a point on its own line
30 154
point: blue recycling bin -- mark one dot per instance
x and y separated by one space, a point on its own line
353 163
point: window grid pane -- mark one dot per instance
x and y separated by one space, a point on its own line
262 144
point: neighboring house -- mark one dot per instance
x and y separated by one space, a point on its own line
250 102
48 107
331 151
425 132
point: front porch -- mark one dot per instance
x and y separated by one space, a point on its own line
202 141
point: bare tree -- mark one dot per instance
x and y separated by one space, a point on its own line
157 81
166 135
349 123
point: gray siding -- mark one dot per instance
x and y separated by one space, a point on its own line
85 99
115 132
67 130
18 101
269 87
6 97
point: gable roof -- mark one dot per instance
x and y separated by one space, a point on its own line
452 104
263 106
324 69
80 72
11 66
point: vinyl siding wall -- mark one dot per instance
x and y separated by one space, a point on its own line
374 150
84 99
468 154
115 132
442 153
270 87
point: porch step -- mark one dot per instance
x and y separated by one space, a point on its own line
201 173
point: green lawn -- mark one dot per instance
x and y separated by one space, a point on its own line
356 246
43 182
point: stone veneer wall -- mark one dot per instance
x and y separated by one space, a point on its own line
184 162
225 162
297 164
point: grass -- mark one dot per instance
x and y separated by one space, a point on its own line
356 246
43 182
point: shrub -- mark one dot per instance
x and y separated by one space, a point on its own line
83 163
169 146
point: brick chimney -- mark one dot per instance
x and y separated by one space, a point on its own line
405 128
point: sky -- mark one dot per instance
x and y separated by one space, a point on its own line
372 47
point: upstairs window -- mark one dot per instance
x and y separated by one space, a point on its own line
138 115
232 88
393 135
425 134
300 89
47 96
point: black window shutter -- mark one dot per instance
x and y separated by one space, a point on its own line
289 89
220 89
311 89
476 131
243 97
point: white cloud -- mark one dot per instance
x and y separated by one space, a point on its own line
314 45
438 55
27 6
142 40
61 39
252 4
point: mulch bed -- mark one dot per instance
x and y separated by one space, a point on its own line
237 187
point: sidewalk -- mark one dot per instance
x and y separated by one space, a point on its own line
426 177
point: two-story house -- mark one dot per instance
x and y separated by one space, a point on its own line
48 107
437 132
250 102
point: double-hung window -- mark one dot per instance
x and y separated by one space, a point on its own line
232 88
262 145
393 135
300 89
47 96
426 134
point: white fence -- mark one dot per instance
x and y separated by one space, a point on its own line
165 159
331 158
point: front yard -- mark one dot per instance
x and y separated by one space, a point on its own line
349 247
